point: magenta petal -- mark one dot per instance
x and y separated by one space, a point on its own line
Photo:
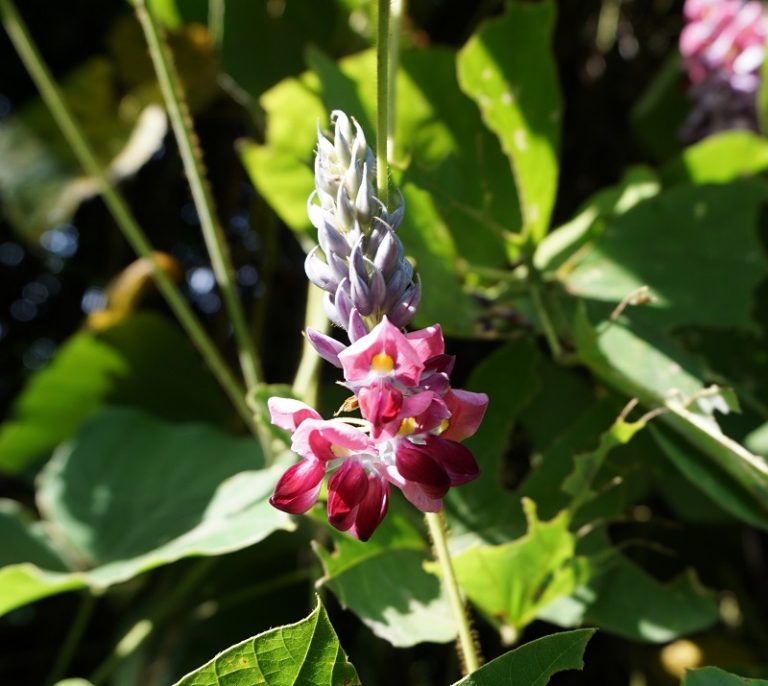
415 463
456 459
379 404
288 413
372 509
346 490
467 411
298 487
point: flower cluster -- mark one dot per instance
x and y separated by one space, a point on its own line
412 420
409 436
723 48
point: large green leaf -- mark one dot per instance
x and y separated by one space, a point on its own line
712 676
683 245
638 184
721 158
511 582
143 361
534 663
655 612
131 493
307 653
383 582
483 509
519 104
655 370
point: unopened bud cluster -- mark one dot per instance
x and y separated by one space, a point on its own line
359 261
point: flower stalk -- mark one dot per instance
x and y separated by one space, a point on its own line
117 206
469 652
383 109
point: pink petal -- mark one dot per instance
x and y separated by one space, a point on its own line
427 342
415 463
372 509
288 413
384 339
319 438
346 490
298 487
467 411
416 495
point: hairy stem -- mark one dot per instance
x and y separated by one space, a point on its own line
382 100
395 19
189 148
305 384
117 206
469 650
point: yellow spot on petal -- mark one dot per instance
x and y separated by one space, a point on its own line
407 427
339 451
441 427
382 363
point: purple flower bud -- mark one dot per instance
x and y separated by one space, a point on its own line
403 312
389 253
328 348
319 273
356 327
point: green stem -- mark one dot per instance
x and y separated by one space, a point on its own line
73 637
305 384
216 11
382 100
189 149
50 93
143 628
469 649
396 15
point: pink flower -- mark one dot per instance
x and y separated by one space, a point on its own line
408 437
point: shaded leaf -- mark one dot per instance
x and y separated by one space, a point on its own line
383 582
534 663
307 653
712 676
683 245
144 361
519 104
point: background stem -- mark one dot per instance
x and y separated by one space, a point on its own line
305 384
73 637
117 206
189 148
469 651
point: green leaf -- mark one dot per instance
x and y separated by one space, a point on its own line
144 362
519 104
131 493
712 676
721 158
654 612
683 245
561 245
482 509
383 582
307 653
724 491
534 663
511 582
657 372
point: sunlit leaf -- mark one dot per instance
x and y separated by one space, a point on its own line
534 663
307 653
383 582
519 104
